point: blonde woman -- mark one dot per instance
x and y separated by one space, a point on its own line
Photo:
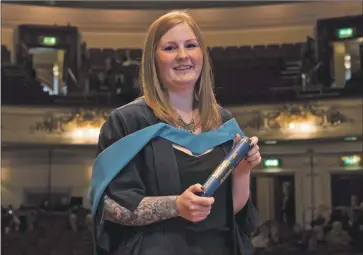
151 207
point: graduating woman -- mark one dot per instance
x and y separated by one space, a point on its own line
152 207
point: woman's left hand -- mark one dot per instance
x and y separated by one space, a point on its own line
253 157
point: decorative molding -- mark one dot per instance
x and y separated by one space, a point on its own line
313 120
59 123
289 114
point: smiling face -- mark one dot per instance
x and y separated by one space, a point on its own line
179 58
175 40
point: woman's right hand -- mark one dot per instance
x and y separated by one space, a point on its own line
193 207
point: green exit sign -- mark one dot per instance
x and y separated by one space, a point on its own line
347 32
272 162
48 40
353 160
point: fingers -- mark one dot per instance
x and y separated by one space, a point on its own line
254 140
255 162
236 139
197 200
200 208
202 201
253 156
254 150
196 188
193 207
254 147
199 212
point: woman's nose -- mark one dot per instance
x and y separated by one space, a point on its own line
182 53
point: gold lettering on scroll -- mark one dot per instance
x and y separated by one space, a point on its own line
225 176
245 139
234 155
221 168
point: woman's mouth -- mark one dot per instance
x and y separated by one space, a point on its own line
183 68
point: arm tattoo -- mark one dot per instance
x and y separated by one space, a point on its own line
150 210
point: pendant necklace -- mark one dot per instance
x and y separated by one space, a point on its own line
190 127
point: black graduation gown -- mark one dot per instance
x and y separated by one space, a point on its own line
154 172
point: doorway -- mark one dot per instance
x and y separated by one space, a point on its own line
284 199
344 186
52 55
275 197
346 62
48 66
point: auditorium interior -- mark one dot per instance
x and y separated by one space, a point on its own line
291 73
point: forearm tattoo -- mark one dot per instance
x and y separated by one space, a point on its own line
150 210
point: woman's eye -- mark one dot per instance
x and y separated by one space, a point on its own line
191 45
169 48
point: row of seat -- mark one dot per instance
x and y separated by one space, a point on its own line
52 236
98 56
245 70
240 72
18 85
285 51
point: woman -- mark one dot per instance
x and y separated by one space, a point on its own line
151 206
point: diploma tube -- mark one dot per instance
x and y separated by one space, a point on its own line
224 169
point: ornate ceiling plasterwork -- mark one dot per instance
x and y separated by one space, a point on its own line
68 122
298 121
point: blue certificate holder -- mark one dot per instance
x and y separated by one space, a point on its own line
224 169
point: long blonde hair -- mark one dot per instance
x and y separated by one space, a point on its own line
153 93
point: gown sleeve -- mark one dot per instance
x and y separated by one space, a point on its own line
247 219
127 188
246 222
